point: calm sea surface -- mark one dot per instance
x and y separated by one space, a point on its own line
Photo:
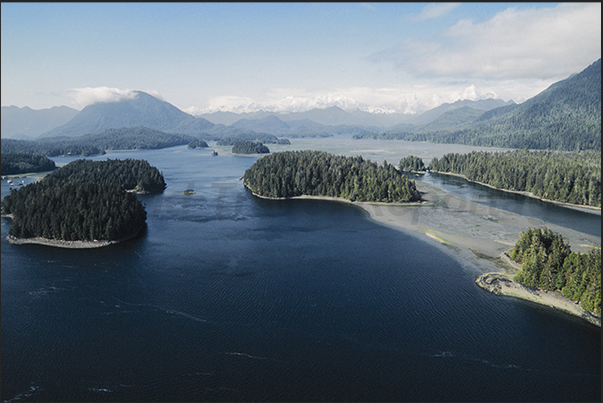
227 297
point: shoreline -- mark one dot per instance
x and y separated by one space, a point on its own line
503 285
588 209
476 234
339 199
56 243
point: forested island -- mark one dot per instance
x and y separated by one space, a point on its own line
250 147
83 201
130 174
547 262
566 177
18 163
315 173
197 144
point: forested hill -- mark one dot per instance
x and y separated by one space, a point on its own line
569 177
126 138
315 173
565 116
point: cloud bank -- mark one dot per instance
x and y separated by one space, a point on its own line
534 43
374 100
90 95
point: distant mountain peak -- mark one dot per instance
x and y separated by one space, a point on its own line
142 109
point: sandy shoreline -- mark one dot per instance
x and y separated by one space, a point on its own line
477 234
481 236
501 284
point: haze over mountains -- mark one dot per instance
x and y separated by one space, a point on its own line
567 115
28 123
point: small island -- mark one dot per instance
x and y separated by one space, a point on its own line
84 204
250 147
18 163
550 273
290 174
197 144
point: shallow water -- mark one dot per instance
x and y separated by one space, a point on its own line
228 297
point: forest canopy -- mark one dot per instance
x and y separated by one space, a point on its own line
130 174
250 147
127 138
84 201
198 144
568 177
16 163
549 263
316 173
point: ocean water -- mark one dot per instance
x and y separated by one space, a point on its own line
227 297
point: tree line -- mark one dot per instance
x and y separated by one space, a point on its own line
197 144
17 163
264 138
84 201
250 147
129 174
128 138
547 262
316 173
50 147
569 177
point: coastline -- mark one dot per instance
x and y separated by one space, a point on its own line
501 284
476 234
580 207
70 244
339 199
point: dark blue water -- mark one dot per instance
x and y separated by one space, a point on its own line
227 297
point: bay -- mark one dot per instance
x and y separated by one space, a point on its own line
227 297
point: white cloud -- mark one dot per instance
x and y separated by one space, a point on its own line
376 100
435 10
85 96
536 43
368 6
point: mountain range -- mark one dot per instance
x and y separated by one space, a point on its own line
565 116
30 123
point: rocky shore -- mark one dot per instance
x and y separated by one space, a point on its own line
501 284
69 244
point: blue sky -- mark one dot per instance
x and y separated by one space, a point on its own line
201 57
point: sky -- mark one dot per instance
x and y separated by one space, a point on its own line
286 57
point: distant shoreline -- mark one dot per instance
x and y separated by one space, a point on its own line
589 209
